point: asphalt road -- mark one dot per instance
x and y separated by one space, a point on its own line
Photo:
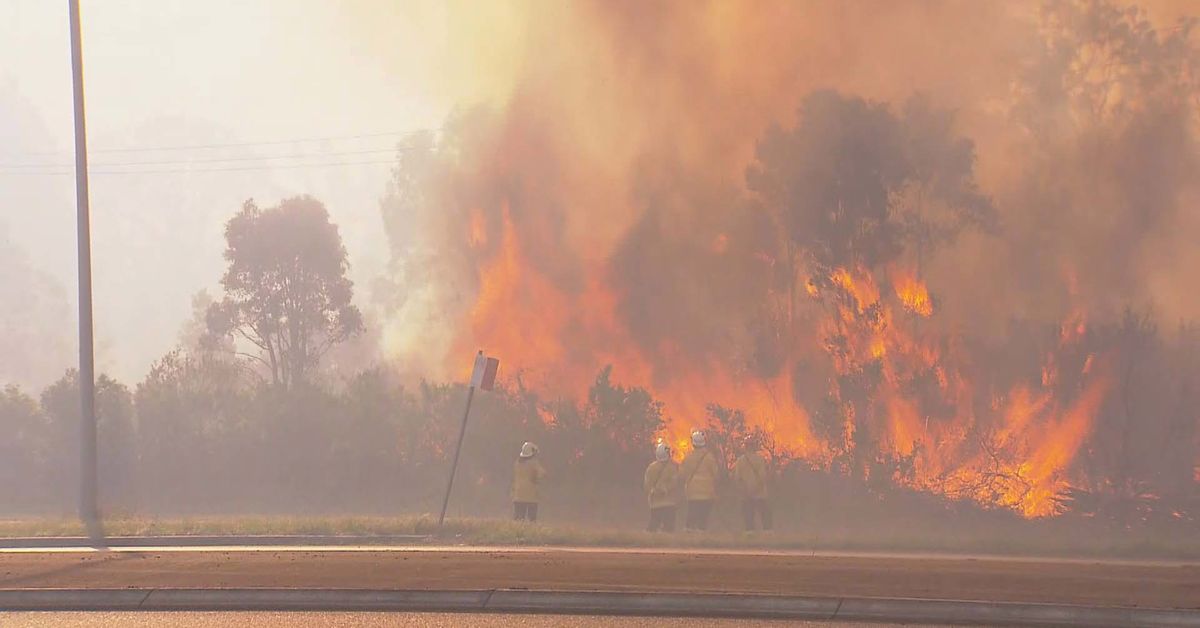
357 620
1154 585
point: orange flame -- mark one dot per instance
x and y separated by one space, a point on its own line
1017 454
912 294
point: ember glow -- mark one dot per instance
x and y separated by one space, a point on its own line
889 256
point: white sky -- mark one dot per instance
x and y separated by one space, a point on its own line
185 72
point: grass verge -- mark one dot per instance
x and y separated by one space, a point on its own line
491 532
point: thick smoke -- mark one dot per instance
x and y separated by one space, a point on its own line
1099 180
943 233
622 147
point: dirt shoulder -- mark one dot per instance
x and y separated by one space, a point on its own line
1098 584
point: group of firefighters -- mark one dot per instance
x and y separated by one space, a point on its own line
695 479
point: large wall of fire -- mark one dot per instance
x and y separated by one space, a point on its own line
936 240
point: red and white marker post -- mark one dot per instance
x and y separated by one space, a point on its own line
483 377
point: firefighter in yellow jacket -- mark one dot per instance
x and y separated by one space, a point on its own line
528 475
660 485
699 476
751 474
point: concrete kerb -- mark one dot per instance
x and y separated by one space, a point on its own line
1008 613
601 603
213 540
666 604
72 599
314 599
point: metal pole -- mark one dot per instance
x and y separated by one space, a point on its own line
88 510
457 449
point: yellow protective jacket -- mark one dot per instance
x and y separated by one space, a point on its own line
659 483
699 474
528 475
750 472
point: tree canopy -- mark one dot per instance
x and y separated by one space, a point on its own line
286 290
854 182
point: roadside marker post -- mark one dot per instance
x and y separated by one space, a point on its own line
483 377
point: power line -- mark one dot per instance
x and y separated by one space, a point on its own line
199 170
207 160
300 140
252 168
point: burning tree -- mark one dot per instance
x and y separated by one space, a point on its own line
849 187
852 293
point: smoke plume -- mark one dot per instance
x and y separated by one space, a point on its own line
840 218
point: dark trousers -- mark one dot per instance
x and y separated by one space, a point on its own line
662 518
526 511
756 506
697 514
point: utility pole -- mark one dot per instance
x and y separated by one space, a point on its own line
88 509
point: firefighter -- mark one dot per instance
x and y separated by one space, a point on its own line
659 484
528 475
750 473
699 473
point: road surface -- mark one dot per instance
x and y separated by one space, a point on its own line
405 620
1091 583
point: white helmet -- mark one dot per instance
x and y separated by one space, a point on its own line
662 452
698 438
528 450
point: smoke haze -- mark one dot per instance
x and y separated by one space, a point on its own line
1025 168
621 115
942 236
